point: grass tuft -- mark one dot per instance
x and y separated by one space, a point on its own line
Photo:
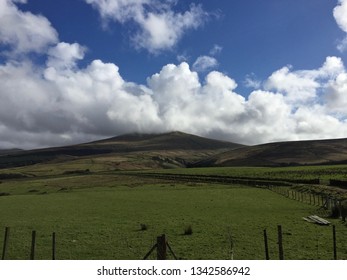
143 227
188 230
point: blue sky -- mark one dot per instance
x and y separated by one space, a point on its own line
244 71
256 37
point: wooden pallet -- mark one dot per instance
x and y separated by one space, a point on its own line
317 220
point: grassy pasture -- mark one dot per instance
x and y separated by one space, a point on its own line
323 172
100 216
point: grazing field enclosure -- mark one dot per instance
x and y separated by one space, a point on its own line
119 217
112 199
322 172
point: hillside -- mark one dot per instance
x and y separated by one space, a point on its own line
283 154
9 151
174 149
166 141
177 149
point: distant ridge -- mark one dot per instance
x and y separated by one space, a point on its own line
176 147
9 151
175 140
310 152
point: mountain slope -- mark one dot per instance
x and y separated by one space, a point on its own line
166 141
283 154
9 151
177 149
152 150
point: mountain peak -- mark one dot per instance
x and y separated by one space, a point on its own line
173 140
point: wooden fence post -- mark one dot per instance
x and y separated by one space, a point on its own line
53 246
335 203
33 241
161 247
267 257
280 244
330 203
334 242
6 238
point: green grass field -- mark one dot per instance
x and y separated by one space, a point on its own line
323 172
100 216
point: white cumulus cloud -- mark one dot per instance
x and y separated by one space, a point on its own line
217 49
303 86
204 63
24 31
296 87
159 27
60 102
252 82
340 15
65 55
53 105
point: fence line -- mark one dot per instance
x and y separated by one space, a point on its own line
163 247
327 202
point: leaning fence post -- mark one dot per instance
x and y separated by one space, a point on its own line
172 252
161 247
267 257
280 244
334 242
4 249
33 240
